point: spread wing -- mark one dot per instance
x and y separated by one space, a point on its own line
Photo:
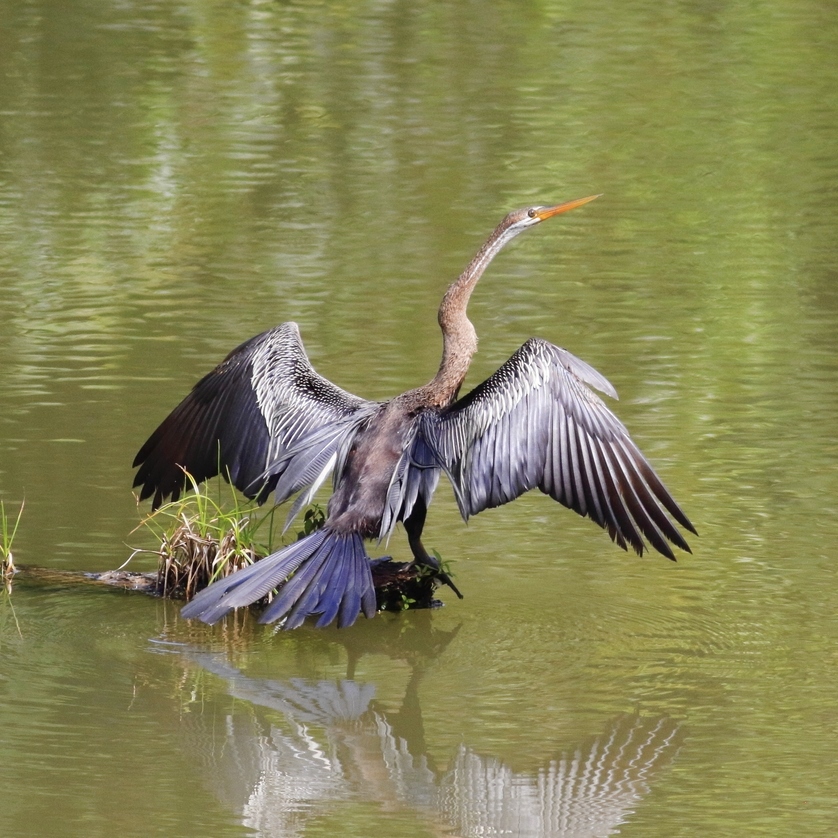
535 423
251 419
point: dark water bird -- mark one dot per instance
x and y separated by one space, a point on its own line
270 423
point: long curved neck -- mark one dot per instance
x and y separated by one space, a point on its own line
459 339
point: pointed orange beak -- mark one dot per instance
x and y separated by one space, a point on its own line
549 212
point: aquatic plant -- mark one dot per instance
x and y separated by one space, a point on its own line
202 539
313 519
405 586
8 531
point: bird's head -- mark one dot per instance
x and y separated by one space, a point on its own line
522 219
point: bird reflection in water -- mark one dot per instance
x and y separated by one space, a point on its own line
336 744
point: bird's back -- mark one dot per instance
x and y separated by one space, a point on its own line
361 491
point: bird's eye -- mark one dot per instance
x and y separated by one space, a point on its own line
531 213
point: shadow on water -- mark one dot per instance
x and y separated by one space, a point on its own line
289 749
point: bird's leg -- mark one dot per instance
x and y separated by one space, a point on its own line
413 526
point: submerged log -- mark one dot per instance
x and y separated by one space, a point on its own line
145 583
399 586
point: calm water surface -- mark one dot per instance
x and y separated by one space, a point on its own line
174 178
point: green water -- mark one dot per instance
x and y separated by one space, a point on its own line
176 177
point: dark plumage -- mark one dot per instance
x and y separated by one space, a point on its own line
272 424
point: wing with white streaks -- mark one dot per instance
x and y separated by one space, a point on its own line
241 418
535 424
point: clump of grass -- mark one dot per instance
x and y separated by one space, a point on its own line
202 540
8 531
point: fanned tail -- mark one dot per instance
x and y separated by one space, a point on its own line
331 578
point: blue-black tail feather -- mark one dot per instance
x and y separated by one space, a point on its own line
329 577
337 580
